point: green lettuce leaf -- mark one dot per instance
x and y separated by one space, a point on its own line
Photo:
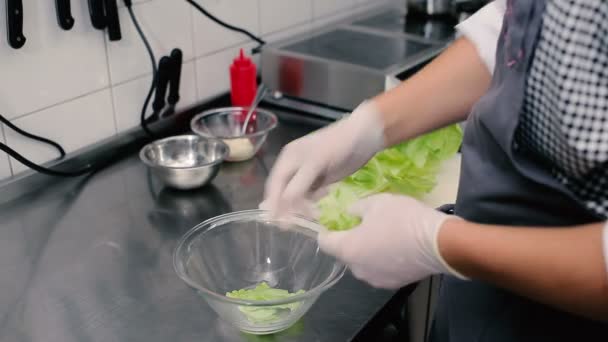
263 292
409 168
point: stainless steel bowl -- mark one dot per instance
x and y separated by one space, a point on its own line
185 161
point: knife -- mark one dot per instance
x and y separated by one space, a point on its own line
112 21
175 77
97 13
14 20
162 82
64 14
175 73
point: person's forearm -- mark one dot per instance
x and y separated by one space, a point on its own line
561 267
442 93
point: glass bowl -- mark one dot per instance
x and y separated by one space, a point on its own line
242 250
227 124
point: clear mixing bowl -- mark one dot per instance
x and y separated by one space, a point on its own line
227 124
243 249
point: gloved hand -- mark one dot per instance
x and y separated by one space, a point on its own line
324 157
395 244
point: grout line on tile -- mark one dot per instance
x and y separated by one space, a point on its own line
8 158
311 20
60 103
338 17
193 46
225 48
195 68
194 63
292 27
339 13
134 78
140 76
121 4
259 21
362 7
114 111
141 2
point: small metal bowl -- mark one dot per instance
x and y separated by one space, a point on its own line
185 161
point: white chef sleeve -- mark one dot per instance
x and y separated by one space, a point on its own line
483 29
606 247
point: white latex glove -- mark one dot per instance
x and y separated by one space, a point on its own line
324 157
395 244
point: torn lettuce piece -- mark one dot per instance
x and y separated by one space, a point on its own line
409 168
263 292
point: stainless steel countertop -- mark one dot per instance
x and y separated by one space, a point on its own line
91 260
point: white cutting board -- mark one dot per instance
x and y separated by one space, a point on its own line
447 184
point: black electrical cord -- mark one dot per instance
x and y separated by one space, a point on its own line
91 168
143 120
45 170
32 136
19 157
129 5
228 26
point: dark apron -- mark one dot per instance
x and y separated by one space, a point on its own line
501 183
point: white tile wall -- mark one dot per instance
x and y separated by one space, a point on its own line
323 8
74 124
212 71
121 4
5 170
127 111
285 34
278 15
54 65
363 2
373 3
167 25
78 88
210 37
328 18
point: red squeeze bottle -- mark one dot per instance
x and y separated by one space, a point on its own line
243 83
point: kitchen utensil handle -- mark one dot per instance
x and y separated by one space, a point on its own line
112 20
14 16
175 77
162 81
259 96
98 14
447 209
64 14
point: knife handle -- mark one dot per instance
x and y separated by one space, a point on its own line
175 76
162 81
447 209
14 16
64 14
98 14
112 20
